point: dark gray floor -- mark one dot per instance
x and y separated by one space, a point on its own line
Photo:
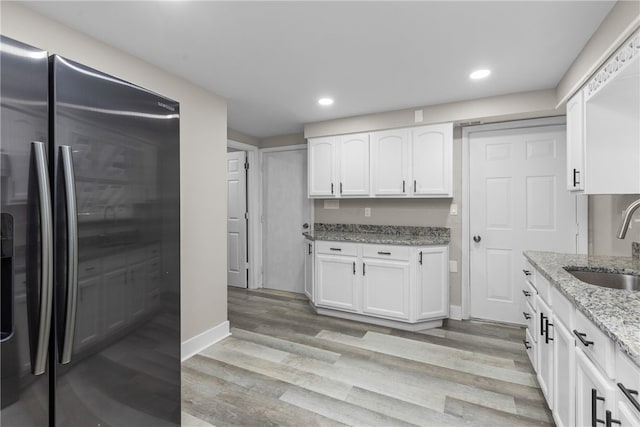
285 365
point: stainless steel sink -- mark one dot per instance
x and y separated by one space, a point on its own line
608 280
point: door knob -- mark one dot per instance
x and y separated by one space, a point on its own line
305 225
477 239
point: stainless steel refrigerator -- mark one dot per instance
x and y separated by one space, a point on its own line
90 295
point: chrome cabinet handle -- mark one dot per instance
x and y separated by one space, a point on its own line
526 344
340 188
526 293
72 256
403 185
609 419
46 272
527 316
575 181
420 260
384 253
414 185
354 267
526 272
332 188
594 407
335 249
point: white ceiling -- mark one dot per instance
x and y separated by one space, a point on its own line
273 60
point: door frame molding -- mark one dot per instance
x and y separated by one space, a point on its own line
254 232
467 131
262 151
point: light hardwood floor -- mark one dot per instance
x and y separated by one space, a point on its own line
285 365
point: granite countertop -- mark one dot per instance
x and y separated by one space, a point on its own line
616 312
381 234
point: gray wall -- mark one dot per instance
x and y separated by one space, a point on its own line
605 215
203 136
417 212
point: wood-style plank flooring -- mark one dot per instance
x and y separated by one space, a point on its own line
285 365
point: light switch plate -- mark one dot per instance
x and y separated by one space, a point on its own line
418 116
453 266
454 209
332 204
367 211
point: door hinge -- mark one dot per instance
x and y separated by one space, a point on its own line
246 165
246 215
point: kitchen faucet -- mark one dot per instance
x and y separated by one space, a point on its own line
627 218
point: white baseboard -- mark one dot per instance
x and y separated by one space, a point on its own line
195 345
455 312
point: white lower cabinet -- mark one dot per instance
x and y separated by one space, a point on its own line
581 372
594 392
399 283
564 394
432 273
338 282
308 270
385 288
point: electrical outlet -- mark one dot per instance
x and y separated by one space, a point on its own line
367 211
418 116
454 209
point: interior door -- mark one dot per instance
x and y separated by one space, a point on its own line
518 201
286 210
236 220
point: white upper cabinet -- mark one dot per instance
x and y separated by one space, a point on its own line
409 162
354 165
322 169
390 162
603 129
575 142
431 160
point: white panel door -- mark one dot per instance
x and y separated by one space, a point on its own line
354 164
385 288
390 156
236 220
518 201
322 163
431 152
285 210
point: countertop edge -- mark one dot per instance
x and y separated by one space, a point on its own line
585 310
391 240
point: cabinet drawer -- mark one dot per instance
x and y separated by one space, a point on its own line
529 293
627 374
595 343
386 252
337 248
529 272
530 346
544 287
530 316
562 308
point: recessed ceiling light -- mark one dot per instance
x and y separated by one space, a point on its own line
480 74
325 101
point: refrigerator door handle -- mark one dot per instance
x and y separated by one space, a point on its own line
72 256
46 273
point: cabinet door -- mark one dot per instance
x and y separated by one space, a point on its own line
114 305
432 160
594 393
385 288
337 280
545 351
308 270
322 159
89 313
564 393
627 415
390 156
354 165
575 142
433 283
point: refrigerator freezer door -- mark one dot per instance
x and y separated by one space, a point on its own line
23 97
124 364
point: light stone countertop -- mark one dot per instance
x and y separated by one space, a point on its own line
614 311
380 234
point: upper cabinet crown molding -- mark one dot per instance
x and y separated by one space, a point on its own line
412 162
623 56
